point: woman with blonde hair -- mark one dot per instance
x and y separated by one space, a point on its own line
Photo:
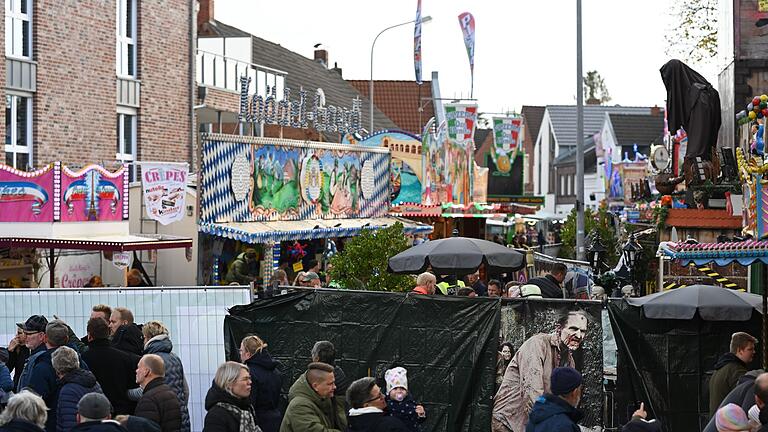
227 402
157 340
266 382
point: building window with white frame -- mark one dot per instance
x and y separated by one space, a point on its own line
126 140
18 131
126 38
18 28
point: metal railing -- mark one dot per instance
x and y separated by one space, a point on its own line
223 72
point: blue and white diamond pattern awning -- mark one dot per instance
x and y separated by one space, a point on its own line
277 231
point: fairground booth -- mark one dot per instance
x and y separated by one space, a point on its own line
48 215
287 202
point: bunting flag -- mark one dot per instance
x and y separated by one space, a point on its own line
506 141
417 43
467 23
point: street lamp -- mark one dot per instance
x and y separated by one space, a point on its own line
424 20
597 253
630 250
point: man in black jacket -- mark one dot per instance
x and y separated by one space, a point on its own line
94 414
126 336
159 402
114 369
367 409
551 284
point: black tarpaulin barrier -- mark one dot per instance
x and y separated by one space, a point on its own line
667 364
447 344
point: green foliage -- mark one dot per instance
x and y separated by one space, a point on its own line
595 88
694 38
599 221
660 214
363 262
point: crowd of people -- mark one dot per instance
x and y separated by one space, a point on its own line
122 376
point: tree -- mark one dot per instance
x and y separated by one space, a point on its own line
595 89
600 221
363 262
694 37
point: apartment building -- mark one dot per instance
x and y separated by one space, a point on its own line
95 81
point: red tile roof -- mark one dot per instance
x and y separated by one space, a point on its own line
707 218
400 101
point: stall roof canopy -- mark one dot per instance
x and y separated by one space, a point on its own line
744 253
277 231
104 242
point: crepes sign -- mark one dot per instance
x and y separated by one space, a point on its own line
164 187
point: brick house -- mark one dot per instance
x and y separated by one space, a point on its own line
103 85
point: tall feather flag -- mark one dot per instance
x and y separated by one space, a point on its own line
417 43
467 23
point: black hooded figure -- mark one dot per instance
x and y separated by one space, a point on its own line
694 104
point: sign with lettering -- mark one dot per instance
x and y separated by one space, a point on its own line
164 188
26 196
298 113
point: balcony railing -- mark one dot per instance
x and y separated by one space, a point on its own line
128 92
215 70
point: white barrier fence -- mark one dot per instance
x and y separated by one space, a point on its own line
194 316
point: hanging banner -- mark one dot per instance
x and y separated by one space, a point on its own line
164 186
467 23
417 43
506 141
461 120
122 260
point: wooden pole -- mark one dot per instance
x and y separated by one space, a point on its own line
765 312
52 265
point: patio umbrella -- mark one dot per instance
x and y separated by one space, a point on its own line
713 303
456 256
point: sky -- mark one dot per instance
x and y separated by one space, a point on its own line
525 51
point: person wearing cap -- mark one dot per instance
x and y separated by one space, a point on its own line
556 411
43 379
244 268
528 375
18 353
34 339
425 284
400 402
94 413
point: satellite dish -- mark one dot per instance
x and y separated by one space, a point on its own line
660 158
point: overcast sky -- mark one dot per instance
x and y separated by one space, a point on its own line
525 52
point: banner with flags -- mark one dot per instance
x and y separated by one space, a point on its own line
467 23
461 120
506 141
417 43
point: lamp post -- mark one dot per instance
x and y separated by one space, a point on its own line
596 253
424 20
630 250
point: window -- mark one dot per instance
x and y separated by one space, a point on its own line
126 38
18 131
126 140
18 38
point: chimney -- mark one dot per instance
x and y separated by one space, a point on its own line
321 56
205 12
336 68
655 111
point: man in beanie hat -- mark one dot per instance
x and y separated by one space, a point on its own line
400 403
556 412
94 413
527 376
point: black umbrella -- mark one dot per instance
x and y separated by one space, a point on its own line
456 256
712 302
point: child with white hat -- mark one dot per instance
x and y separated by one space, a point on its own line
400 403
